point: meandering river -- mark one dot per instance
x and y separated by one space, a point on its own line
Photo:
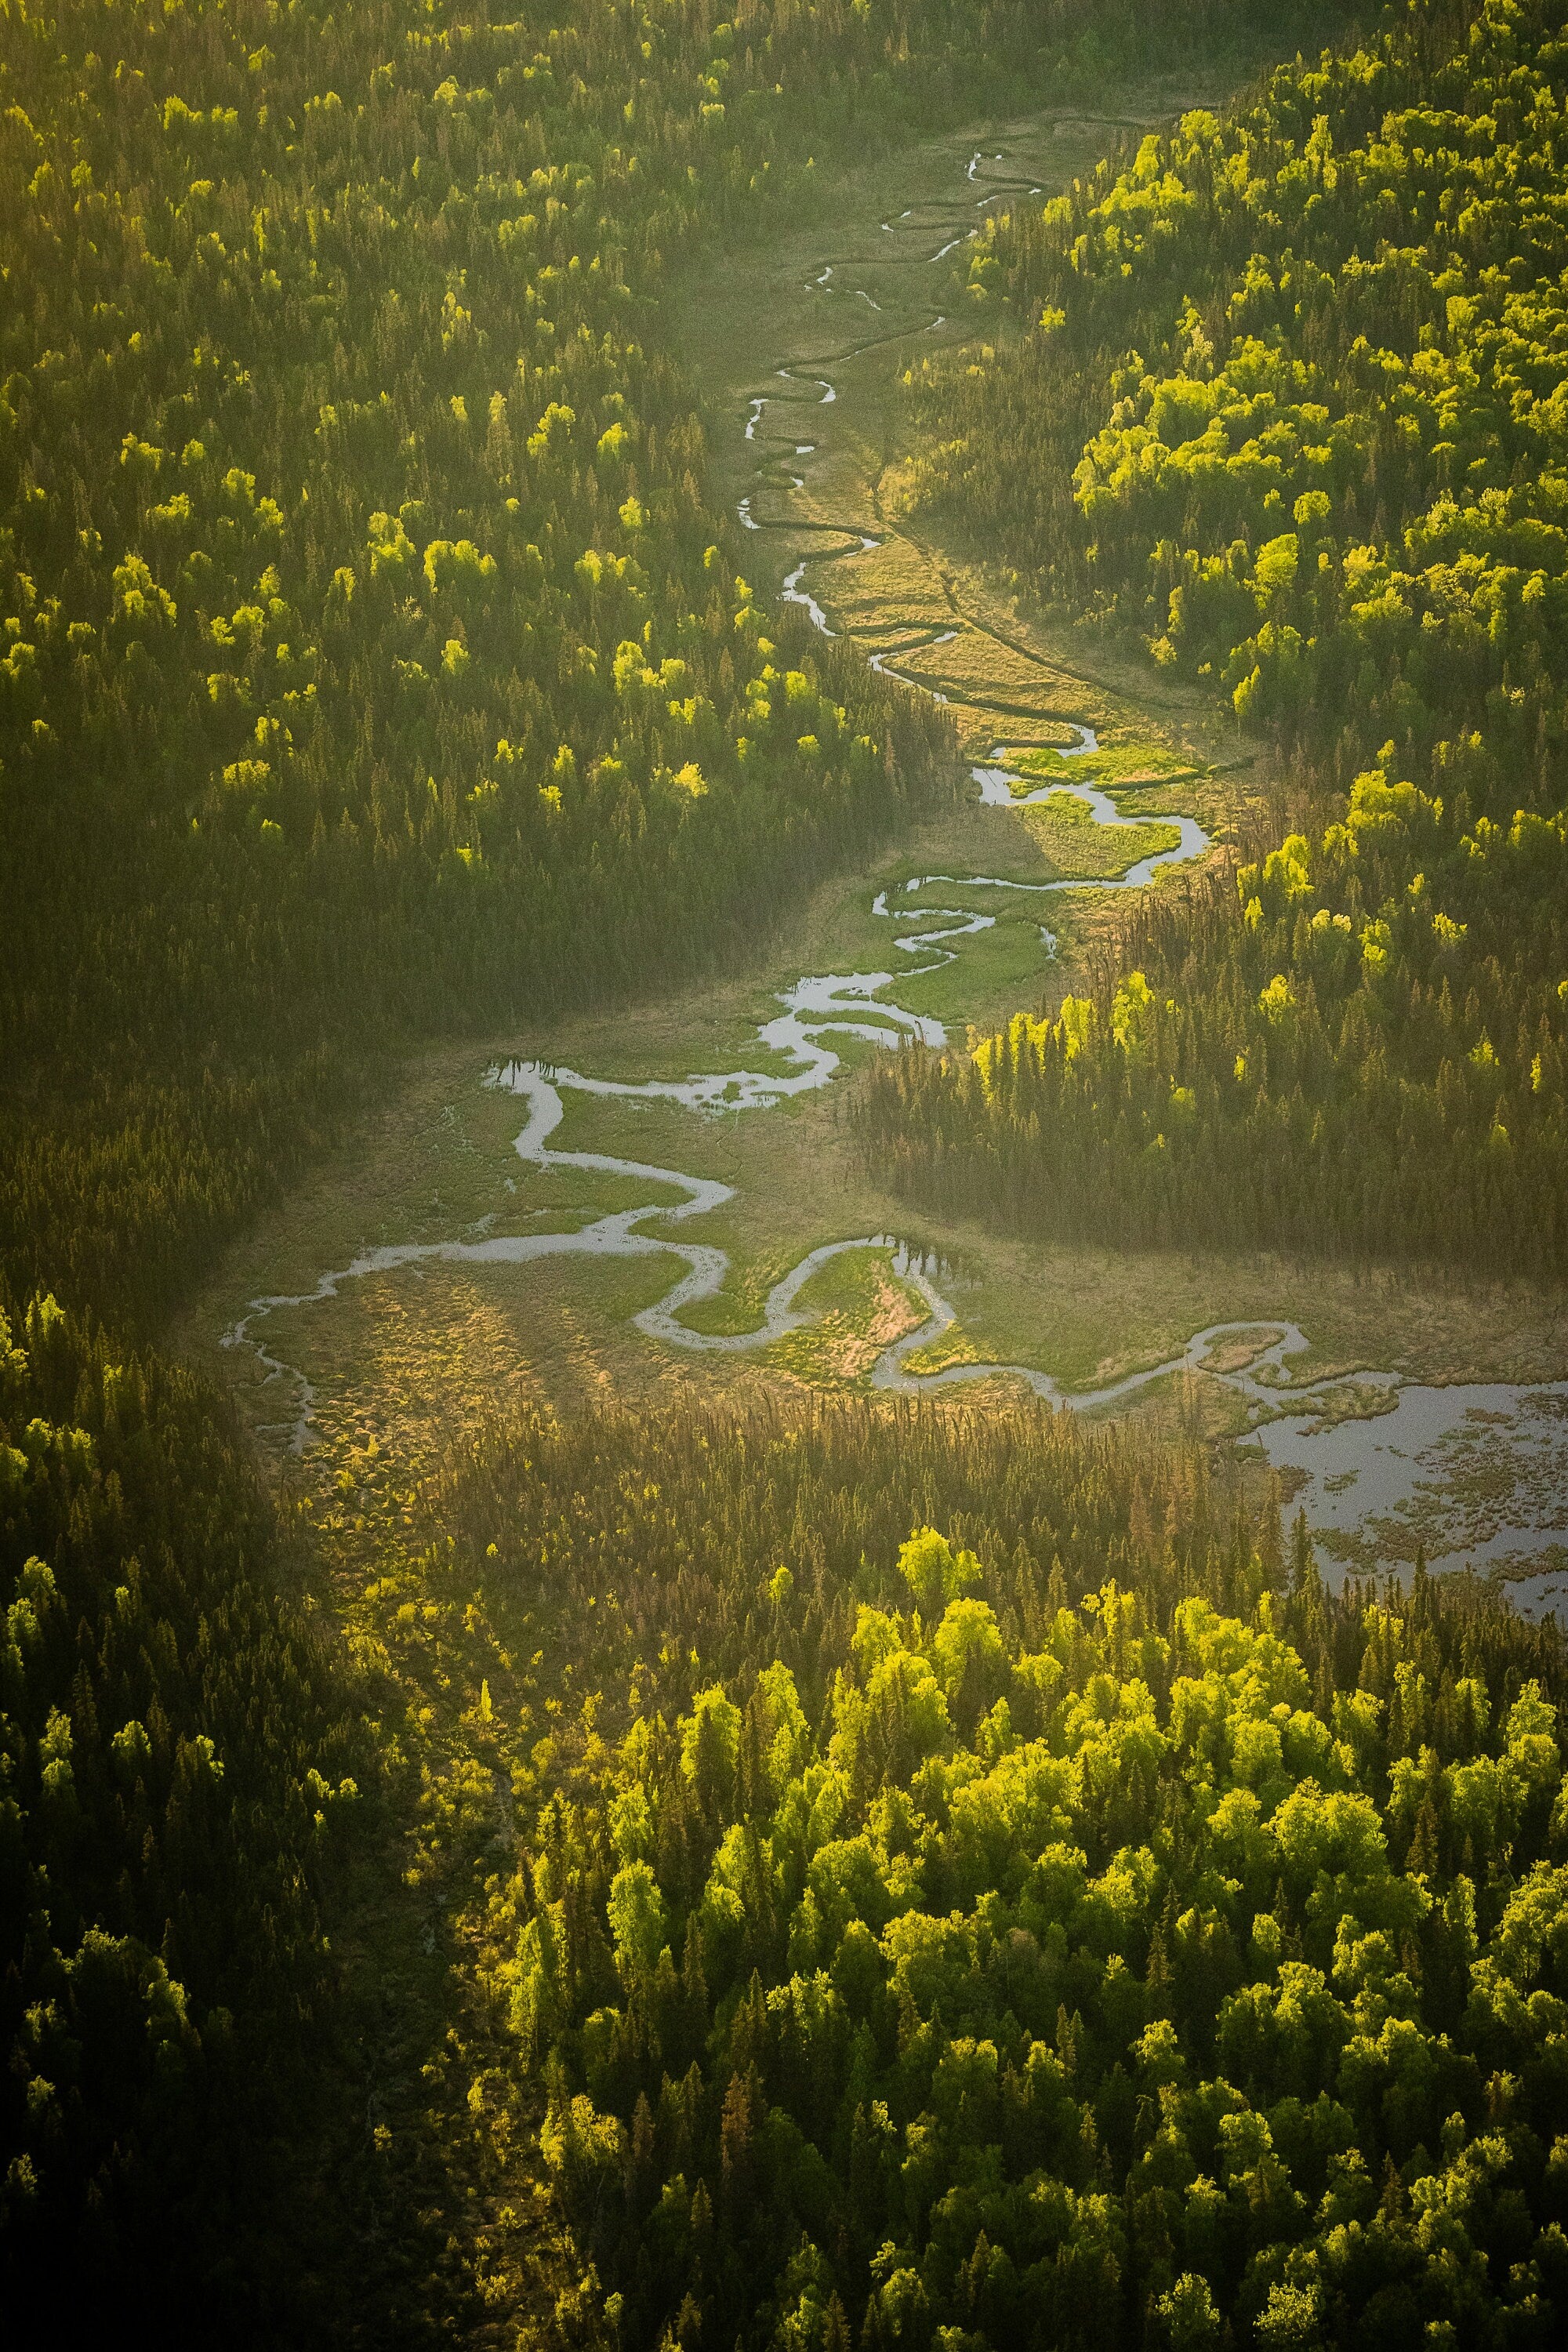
1378 1462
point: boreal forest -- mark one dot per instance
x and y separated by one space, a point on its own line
1290 403
782 1811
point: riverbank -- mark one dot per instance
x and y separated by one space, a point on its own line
433 1271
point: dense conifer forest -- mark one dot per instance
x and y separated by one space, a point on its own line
180 1774
1071 1926
1288 405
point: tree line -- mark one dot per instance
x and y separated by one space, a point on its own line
1075 1927
1289 407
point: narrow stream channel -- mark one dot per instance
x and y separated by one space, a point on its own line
1378 1462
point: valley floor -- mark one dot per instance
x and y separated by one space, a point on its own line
401 1358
